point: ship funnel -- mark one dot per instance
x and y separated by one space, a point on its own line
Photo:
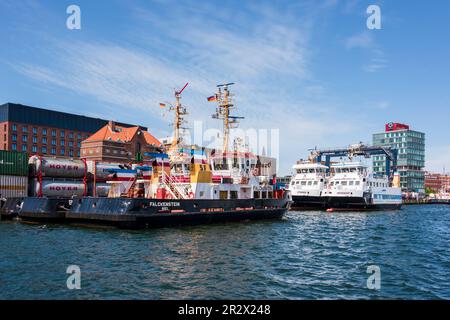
396 180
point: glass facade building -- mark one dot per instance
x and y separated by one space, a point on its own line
410 145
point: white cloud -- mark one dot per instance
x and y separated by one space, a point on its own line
361 40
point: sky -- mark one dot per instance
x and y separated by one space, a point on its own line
310 70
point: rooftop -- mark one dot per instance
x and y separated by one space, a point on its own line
44 117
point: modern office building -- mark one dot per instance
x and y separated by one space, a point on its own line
45 132
410 145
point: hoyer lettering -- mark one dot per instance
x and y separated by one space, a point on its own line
63 166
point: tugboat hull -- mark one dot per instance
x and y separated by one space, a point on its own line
147 213
357 204
308 203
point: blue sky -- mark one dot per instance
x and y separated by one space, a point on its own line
311 69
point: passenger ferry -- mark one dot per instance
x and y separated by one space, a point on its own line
353 187
307 185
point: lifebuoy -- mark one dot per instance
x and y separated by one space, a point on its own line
191 195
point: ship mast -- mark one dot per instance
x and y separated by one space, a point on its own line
179 120
225 105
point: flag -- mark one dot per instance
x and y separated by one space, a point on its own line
212 98
162 105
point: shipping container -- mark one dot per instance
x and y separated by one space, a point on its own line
13 186
13 163
58 188
57 167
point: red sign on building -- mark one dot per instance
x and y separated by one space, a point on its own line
393 126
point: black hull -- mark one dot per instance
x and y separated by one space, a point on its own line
10 208
308 203
356 204
148 213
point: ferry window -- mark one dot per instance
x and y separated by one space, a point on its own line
316 183
298 182
309 183
303 183
344 183
304 170
337 182
311 170
256 194
331 183
270 195
233 195
264 194
350 183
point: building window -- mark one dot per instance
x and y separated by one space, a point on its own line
71 153
44 140
53 133
34 130
78 153
24 138
62 151
62 143
53 150
34 139
14 127
79 135
14 137
24 129
34 149
79 144
70 143
62 134
44 131
71 135
53 142
24 147
14 147
44 150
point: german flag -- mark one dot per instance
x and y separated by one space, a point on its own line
212 98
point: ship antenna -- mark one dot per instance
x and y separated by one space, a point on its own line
225 105
179 120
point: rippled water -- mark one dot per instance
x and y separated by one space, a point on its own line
306 255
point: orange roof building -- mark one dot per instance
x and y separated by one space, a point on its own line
114 143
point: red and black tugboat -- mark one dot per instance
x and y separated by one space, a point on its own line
179 186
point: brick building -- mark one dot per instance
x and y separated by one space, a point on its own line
116 143
45 132
437 182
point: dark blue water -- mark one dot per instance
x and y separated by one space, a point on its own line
307 255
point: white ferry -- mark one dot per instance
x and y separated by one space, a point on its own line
353 187
307 185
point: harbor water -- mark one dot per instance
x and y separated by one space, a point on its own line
306 255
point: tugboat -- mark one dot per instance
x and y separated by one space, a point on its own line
177 187
353 187
307 185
